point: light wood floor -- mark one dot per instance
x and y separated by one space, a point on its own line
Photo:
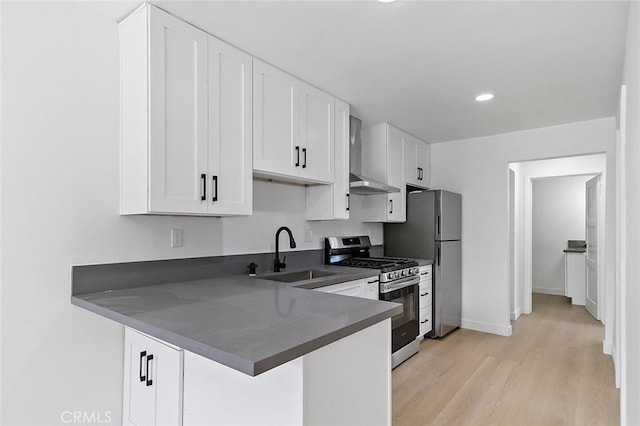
551 371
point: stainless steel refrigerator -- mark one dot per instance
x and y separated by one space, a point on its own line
433 231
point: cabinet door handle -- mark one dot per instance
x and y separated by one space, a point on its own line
215 188
143 354
304 151
297 156
204 186
149 380
418 169
391 207
348 202
419 173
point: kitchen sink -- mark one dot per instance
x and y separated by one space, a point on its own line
292 277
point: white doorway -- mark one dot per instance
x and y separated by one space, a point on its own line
592 238
521 215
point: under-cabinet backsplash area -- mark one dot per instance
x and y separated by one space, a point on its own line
148 237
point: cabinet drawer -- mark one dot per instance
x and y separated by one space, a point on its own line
425 321
426 296
352 288
425 273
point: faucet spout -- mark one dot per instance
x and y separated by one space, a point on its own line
277 265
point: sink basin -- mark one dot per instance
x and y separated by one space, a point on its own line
292 277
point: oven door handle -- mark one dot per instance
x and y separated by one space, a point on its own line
396 285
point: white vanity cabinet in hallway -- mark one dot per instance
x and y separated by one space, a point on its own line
186 140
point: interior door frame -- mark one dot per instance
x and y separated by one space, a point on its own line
528 244
599 241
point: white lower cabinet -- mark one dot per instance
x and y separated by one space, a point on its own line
367 288
347 382
152 381
426 300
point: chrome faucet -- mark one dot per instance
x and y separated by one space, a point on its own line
277 265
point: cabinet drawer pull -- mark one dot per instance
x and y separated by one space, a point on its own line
391 207
424 294
425 321
204 186
371 282
304 151
421 174
142 376
149 380
348 202
297 156
215 188
424 273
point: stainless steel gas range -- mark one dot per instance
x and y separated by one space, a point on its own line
399 279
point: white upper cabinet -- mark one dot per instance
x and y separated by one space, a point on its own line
382 159
230 130
417 162
275 121
292 127
186 138
330 202
316 134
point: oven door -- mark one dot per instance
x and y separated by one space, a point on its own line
405 326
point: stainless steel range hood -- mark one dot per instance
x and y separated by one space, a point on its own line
359 184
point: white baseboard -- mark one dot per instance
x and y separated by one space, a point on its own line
616 367
515 315
554 291
486 327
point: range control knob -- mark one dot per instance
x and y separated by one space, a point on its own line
390 275
396 275
404 273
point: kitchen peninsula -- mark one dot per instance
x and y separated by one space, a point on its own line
245 349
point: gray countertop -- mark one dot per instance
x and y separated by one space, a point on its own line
246 323
575 250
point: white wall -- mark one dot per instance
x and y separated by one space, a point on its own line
478 169
59 200
630 212
558 216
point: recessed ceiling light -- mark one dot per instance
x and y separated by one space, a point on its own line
483 97
386 1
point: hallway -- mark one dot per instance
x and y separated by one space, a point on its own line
551 371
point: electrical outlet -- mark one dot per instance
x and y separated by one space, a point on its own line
308 235
177 237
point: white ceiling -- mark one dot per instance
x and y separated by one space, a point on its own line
418 65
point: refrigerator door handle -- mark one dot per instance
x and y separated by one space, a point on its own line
438 227
438 256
